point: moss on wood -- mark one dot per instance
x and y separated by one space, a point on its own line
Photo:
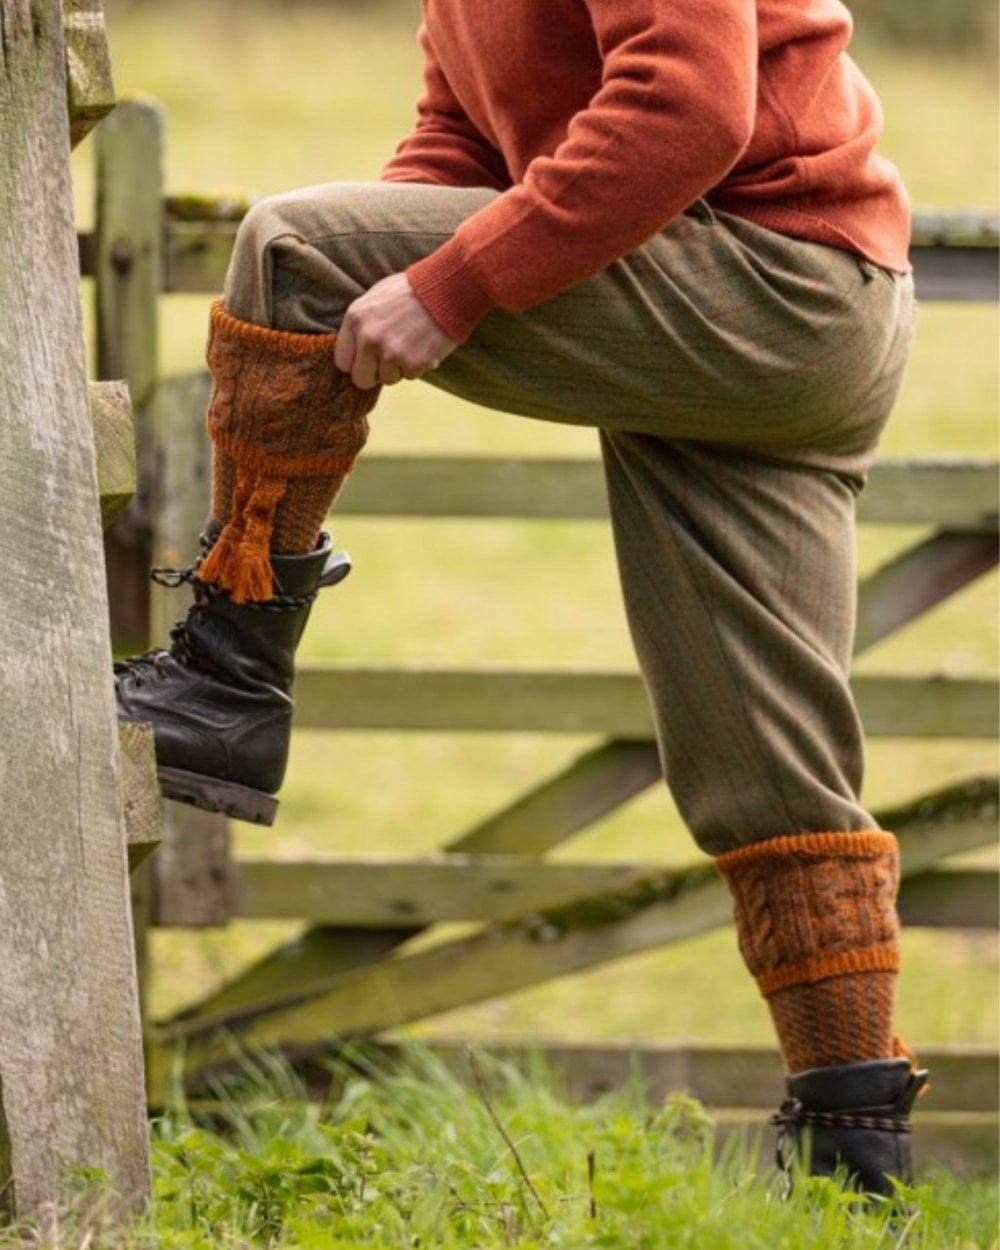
192 207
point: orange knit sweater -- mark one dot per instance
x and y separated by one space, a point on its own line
601 120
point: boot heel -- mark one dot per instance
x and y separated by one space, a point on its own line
213 795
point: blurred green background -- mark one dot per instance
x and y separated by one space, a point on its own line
262 97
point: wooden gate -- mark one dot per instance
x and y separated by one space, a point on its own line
353 971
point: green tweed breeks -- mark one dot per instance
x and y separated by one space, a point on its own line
740 380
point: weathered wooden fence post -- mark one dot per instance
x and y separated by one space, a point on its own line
71 1077
127 260
128 263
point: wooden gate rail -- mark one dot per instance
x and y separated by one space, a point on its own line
958 1129
385 892
960 494
299 1013
352 972
953 254
956 494
342 696
721 1077
737 1085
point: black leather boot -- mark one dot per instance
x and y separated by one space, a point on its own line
856 1116
220 698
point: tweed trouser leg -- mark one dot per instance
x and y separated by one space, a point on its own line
739 381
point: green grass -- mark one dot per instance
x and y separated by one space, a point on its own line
261 99
413 1157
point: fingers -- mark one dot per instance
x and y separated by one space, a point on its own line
355 352
387 335
367 362
360 352
343 349
373 363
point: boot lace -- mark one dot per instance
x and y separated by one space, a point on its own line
151 665
784 1120
792 1115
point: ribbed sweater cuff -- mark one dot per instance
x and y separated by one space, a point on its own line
447 287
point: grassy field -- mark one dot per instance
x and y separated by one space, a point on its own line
259 100
411 1158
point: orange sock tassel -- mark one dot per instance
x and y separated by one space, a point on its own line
286 426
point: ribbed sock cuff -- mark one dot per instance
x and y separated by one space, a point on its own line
817 925
286 426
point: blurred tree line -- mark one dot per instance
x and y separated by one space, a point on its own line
946 25
952 25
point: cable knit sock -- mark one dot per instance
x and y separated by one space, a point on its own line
817 926
286 427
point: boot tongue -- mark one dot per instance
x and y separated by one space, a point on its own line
918 1085
877 1083
338 565
301 575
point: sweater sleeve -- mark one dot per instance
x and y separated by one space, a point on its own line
444 146
674 111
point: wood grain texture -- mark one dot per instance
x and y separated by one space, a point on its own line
594 784
397 892
141 801
127 265
70 1046
127 255
114 446
90 88
193 873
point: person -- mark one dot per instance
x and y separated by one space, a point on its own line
665 219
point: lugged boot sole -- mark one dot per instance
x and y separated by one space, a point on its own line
213 795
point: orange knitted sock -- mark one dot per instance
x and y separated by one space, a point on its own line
817 926
286 427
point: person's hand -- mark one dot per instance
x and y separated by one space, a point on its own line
387 335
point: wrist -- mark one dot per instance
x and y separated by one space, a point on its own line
450 290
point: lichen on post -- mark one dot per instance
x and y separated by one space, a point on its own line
90 90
